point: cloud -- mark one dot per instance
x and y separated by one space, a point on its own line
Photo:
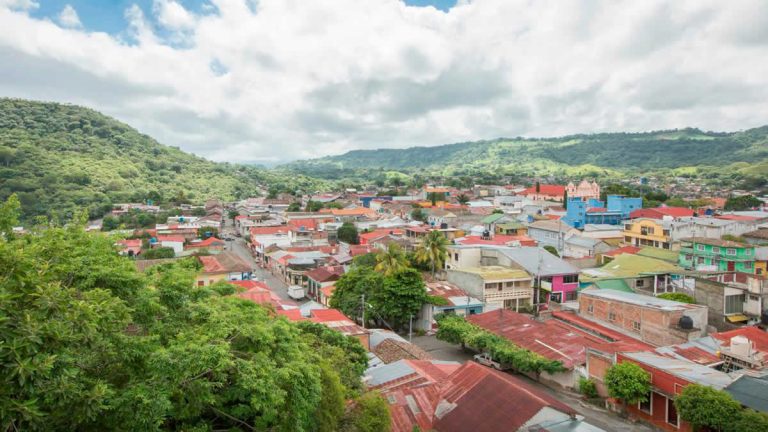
68 17
19 4
275 80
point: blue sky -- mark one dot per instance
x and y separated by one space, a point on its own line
108 15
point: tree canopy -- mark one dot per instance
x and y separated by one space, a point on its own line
628 382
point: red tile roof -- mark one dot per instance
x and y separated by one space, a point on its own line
292 314
171 238
268 230
325 273
545 189
328 315
632 250
498 239
737 217
660 212
225 262
302 224
210 241
368 237
355 250
758 337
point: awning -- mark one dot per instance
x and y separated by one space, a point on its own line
737 318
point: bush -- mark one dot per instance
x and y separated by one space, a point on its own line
587 387
678 297
157 253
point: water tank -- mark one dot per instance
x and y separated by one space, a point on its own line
443 225
486 235
686 322
740 346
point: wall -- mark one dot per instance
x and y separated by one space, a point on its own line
597 365
467 257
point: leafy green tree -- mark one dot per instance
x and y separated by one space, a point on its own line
294 207
109 223
347 233
433 249
462 199
744 202
400 297
10 211
232 213
704 406
678 297
352 285
628 382
369 414
391 260
552 250
418 214
313 206
157 253
365 260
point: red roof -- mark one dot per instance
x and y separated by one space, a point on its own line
205 243
302 224
734 217
328 315
553 217
292 314
325 273
660 212
758 337
171 238
268 230
632 250
250 284
551 190
368 237
355 250
597 210
328 291
225 262
130 243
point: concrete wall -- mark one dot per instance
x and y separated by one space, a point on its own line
472 284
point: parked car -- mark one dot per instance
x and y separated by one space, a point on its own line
485 359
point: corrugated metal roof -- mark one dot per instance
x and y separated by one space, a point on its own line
687 370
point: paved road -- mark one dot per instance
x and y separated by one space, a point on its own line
595 415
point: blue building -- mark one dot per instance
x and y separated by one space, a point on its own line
595 211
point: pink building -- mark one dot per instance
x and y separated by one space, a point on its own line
585 190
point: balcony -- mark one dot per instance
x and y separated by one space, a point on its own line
721 255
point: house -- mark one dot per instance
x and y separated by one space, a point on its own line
437 217
226 266
462 399
336 320
440 193
602 231
663 213
706 254
129 247
592 211
585 190
393 350
212 244
631 272
550 233
577 246
513 227
407 373
456 301
757 237
732 298
544 192
175 242
322 277
669 376
496 286
648 232
652 320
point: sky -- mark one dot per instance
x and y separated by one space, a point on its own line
269 81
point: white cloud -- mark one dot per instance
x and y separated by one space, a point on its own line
68 17
19 4
284 79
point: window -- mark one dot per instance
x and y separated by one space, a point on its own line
570 278
571 296
754 298
688 257
730 251
700 248
747 251
611 316
672 417
716 250
748 265
647 405
636 325
200 283
456 257
734 304
639 283
590 308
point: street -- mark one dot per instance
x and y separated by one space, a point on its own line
597 416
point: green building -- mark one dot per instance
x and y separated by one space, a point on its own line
716 255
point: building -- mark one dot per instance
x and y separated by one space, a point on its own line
732 298
456 301
211 244
322 277
129 247
585 190
577 246
550 233
593 211
648 232
652 320
706 254
544 192
669 376
496 286
462 401
226 266
632 272
662 213
757 237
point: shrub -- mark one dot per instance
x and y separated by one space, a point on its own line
678 297
587 387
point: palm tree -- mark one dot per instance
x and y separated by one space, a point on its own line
462 199
391 260
433 250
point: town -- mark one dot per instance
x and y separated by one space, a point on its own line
544 307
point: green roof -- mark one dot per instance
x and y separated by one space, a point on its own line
662 254
614 284
492 218
629 266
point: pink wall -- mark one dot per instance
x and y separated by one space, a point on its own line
559 286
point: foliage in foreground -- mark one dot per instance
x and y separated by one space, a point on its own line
628 382
706 407
457 330
90 344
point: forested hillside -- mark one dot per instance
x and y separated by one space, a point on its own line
710 154
58 158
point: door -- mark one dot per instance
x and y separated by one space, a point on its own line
731 266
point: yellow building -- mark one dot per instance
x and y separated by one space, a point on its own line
647 232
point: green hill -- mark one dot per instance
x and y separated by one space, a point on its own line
710 154
58 158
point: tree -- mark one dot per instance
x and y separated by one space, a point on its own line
565 199
365 260
352 285
157 253
109 223
551 249
744 202
294 207
205 232
232 213
418 214
433 250
10 211
313 206
369 414
400 297
347 233
628 382
538 187
391 260
462 199
678 297
704 406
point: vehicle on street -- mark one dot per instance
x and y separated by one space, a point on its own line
296 292
485 359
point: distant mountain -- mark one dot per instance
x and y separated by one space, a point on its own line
59 158
607 154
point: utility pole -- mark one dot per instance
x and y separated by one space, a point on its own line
363 304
